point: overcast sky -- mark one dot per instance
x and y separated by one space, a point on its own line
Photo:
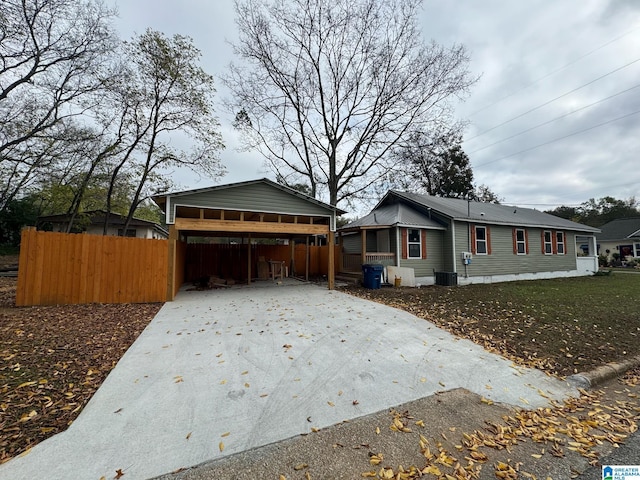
540 61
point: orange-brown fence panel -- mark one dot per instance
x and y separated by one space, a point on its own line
61 268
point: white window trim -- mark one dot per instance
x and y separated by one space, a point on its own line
486 243
636 247
523 242
550 242
563 243
419 243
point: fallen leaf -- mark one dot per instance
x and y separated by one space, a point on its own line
300 466
119 473
188 435
225 434
221 446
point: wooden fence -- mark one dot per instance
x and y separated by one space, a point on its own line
59 268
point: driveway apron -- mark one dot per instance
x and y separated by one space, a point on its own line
219 372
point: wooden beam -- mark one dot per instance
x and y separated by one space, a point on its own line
242 216
331 268
202 214
210 225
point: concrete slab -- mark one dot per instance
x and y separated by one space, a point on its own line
219 372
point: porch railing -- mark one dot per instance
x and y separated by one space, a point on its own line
352 262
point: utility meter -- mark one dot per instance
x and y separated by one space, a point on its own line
466 258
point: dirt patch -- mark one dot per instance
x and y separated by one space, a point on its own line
53 359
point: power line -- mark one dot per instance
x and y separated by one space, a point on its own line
554 72
557 98
559 138
577 204
554 119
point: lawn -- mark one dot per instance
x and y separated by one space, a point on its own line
53 359
562 326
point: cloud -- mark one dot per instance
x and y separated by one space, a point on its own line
527 53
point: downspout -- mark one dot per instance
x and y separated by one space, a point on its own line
453 244
398 246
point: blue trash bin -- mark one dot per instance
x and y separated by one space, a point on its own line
372 276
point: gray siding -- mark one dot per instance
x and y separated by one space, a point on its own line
503 261
351 243
434 260
258 197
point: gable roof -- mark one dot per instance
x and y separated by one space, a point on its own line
490 213
620 229
161 199
96 217
396 214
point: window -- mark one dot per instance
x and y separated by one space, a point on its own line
547 242
481 241
520 241
414 243
560 243
131 232
637 254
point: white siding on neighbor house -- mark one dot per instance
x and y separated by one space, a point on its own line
141 232
254 197
503 261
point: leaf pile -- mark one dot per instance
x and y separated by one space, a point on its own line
561 326
580 425
53 359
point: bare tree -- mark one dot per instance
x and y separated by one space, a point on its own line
328 87
167 94
50 54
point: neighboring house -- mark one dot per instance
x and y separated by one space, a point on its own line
93 222
621 236
479 242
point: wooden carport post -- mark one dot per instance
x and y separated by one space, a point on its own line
249 260
331 267
171 270
306 261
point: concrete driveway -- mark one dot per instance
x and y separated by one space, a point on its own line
219 372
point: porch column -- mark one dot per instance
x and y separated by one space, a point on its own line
331 270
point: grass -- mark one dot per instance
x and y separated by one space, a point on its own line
562 326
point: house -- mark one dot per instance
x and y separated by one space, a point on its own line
246 210
418 237
92 222
621 236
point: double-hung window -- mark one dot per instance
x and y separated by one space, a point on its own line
560 250
481 241
414 243
520 241
547 242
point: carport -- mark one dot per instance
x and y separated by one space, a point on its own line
257 209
